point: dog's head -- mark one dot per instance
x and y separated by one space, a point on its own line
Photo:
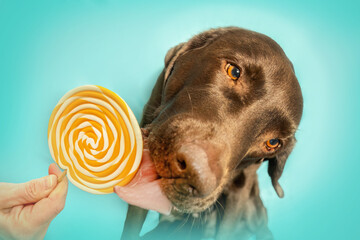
227 98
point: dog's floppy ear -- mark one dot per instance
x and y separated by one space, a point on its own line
172 53
198 41
276 166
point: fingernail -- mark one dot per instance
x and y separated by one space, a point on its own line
50 181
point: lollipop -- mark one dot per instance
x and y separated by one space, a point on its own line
95 136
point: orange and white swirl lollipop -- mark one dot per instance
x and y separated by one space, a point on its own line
95 136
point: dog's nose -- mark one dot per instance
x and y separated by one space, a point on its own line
198 166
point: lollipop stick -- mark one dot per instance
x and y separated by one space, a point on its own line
61 177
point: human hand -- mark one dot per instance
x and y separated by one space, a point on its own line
26 209
145 189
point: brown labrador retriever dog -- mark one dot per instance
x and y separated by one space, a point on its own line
226 101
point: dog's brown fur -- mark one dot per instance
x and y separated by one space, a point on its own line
194 101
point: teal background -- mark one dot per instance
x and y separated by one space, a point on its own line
50 47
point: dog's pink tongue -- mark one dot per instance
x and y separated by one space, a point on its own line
144 190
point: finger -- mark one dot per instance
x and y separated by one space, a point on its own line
24 193
148 196
48 208
54 169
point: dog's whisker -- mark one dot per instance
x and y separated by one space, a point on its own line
192 108
218 202
182 224
217 212
192 225
203 218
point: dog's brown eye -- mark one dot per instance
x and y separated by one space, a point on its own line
233 71
272 143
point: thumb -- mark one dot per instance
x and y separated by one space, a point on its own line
47 208
24 193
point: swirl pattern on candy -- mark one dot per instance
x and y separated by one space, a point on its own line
95 136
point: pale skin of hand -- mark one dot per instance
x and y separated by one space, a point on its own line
26 209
